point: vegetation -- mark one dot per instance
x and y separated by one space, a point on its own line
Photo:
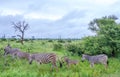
21 68
106 40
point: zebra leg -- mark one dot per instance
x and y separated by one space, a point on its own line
105 64
13 56
91 65
54 66
30 61
5 62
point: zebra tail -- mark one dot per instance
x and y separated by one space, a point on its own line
107 62
60 63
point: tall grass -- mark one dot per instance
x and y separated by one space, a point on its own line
21 68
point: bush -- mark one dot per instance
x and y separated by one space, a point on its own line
3 39
26 40
50 40
13 39
57 46
74 49
69 40
61 41
43 43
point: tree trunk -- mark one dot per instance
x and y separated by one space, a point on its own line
22 38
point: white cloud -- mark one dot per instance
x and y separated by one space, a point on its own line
104 2
52 18
5 12
41 16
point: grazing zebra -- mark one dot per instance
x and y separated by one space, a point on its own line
15 52
44 58
9 50
69 61
102 58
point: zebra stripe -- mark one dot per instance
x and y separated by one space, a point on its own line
101 58
43 58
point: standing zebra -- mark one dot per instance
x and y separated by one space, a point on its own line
9 50
102 58
44 58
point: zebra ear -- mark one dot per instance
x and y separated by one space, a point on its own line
9 45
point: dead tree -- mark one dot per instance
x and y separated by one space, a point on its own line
20 26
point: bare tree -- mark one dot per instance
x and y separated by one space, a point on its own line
21 26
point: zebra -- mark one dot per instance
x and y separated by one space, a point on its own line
15 52
22 55
102 58
69 61
44 58
8 50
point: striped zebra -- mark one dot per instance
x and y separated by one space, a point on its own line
22 55
102 58
15 52
8 50
44 58
69 61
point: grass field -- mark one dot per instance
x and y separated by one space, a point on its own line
21 68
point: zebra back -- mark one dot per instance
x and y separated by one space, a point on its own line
44 58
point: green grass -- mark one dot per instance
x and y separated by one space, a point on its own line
21 68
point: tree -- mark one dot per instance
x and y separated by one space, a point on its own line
21 27
109 32
97 22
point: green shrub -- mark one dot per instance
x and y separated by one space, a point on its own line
74 49
57 46
69 41
61 41
3 39
13 39
50 40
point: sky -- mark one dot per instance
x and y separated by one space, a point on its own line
54 18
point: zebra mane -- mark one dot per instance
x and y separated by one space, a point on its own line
87 57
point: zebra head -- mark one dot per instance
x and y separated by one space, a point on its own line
7 50
83 57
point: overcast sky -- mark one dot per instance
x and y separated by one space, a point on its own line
54 18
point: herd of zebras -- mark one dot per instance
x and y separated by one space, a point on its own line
45 58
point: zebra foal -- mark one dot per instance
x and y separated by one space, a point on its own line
69 61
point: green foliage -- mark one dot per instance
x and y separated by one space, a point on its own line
13 39
61 41
107 36
3 39
90 45
57 46
97 22
50 40
21 68
74 49
69 41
